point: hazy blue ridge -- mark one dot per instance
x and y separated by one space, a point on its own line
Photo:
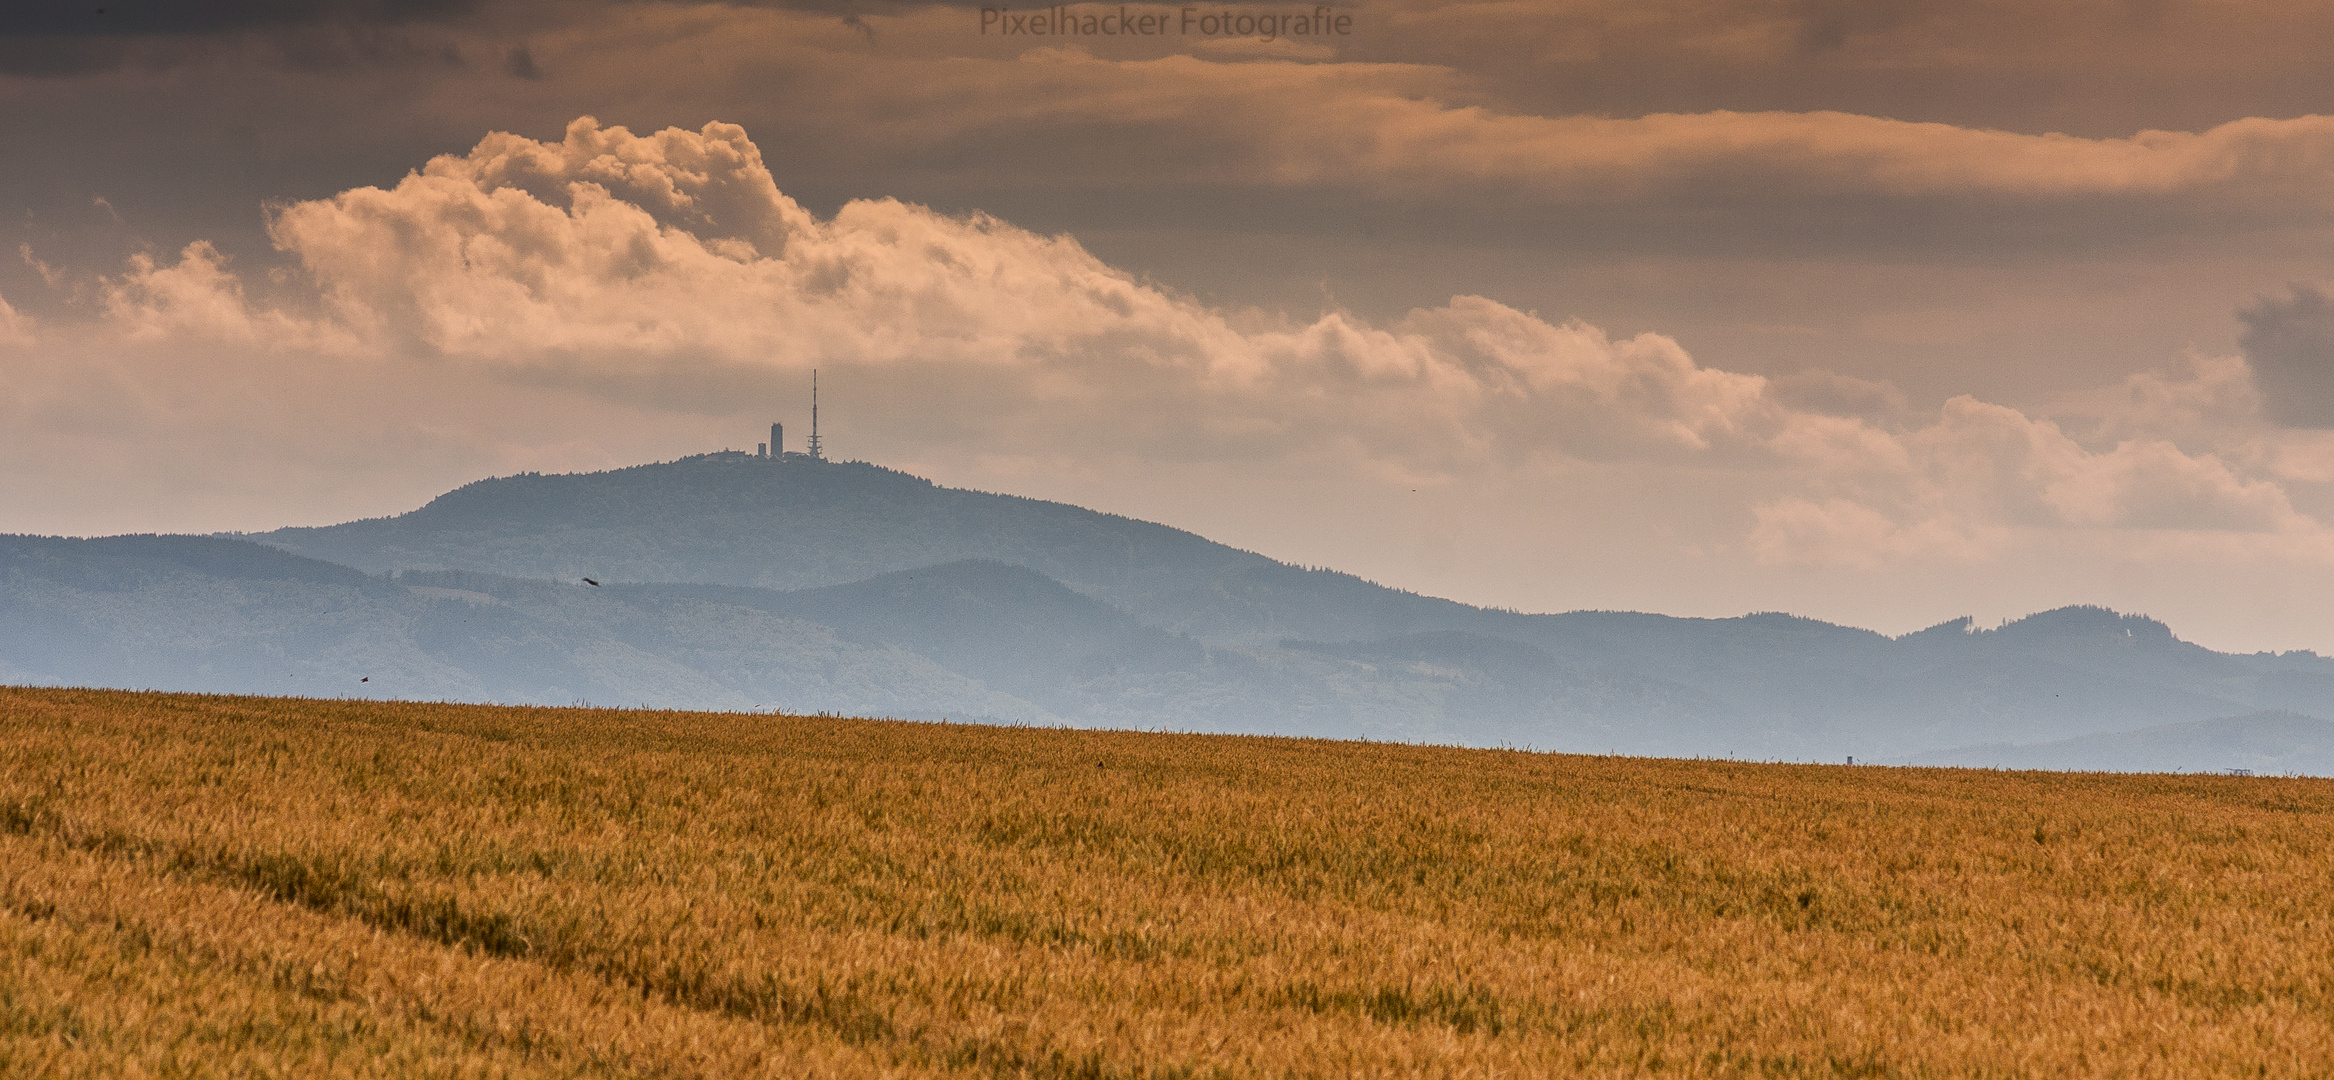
1021 632
1764 683
150 612
201 614
987 639
736 582
796 524
1790 685
2270 742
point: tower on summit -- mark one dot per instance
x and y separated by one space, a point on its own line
775 449
814 416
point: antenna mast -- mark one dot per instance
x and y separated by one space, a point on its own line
814 413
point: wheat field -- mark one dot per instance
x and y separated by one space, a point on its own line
213 886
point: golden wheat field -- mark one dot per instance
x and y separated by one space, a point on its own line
214 886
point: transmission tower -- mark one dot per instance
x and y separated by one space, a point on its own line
814 416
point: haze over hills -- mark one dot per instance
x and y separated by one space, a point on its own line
2271 742
735 582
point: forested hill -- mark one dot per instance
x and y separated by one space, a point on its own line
736 582
989 639
798 523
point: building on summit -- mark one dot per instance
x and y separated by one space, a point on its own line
775 449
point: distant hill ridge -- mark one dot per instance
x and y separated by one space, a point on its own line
1769 679
733 582
784 524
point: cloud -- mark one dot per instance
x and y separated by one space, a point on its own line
1406 129
1838 532
53 41
519 63
1405 132
1425 145
936 100
2154 485
2210 406
2099 66
666 274
608 254
15 326
198 299
2290 344
1832 394
119 19
1278 48
1967 486
2216 403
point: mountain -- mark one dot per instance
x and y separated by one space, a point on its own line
793 523
741 582
1794 686
968 640
1763 684
1022 633
2271 742
1014 628
206 614
797 523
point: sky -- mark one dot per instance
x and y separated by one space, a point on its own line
1884 314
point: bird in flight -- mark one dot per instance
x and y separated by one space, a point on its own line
590 582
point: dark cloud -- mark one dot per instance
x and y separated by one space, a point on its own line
139 18
851 10
1176 168
57 56
2084 67
62 40
520 64
1830 393
1826 25
2290 343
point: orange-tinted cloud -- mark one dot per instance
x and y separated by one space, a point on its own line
15 328
628 267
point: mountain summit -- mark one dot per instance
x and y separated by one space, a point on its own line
800 523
